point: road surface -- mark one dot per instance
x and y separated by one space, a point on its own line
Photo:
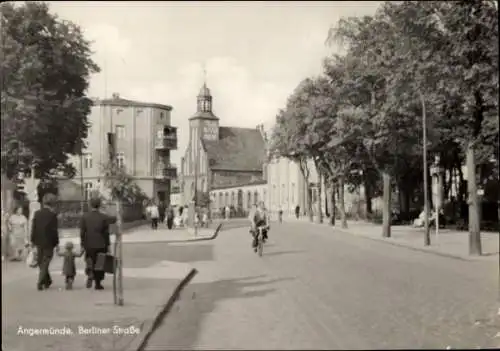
315 288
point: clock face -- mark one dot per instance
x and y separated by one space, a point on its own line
210 131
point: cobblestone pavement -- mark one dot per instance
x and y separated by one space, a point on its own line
315 288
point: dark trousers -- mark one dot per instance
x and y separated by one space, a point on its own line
154 223
297 215
162 218
170 223
44 258
90 260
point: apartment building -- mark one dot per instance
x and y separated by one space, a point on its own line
144 140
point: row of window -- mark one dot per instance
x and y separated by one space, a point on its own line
88 162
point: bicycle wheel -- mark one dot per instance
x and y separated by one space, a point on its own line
261 245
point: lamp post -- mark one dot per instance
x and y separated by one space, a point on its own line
427 239
436 171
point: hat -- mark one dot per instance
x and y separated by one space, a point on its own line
95 202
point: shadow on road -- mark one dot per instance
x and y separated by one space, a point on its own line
181 328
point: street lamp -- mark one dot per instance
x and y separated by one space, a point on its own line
436 174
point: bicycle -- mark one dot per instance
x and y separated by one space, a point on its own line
260 240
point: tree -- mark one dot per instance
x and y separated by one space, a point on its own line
122 185
45 73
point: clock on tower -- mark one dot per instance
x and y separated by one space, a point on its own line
210 130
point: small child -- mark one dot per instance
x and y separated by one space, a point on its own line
69 267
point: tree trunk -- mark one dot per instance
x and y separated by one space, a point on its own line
309 204
343 219
386 210
368 198
429 190
334 206
472 200
319 219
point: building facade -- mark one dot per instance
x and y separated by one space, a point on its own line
144 140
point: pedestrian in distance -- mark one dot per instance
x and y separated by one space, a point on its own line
69 266
280 215
45 238
297 211
154 214
95 240
170 217
18 237
162 209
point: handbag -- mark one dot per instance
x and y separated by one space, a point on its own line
32 258
105 262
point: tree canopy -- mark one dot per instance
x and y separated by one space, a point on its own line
45 69
365 113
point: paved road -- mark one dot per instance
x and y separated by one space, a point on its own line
317 289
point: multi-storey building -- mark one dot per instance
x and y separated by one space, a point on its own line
144 140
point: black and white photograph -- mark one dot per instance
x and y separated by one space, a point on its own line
249 175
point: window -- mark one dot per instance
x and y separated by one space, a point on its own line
88 190
87 161
264 196
120 159
161 115
120 131
293 193
282 193
249 200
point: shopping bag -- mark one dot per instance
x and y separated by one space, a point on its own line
32 259
105 262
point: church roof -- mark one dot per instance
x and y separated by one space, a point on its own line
238 149
205 115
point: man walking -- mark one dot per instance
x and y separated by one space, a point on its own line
94 239
162 209
154 214
45 238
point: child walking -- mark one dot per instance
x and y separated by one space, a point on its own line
69 267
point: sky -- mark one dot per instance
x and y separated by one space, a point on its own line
254 53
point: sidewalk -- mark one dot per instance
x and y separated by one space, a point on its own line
85 319
145 234
450 243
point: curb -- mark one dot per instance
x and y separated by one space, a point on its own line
214 236
139 343
437 253
456 257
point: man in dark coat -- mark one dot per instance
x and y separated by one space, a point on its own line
45 237
94 239
162 209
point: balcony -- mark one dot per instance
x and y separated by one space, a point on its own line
166 172
166 139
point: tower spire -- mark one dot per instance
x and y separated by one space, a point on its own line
204 74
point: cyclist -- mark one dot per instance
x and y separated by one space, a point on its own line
258 217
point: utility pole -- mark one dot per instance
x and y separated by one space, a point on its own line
427 240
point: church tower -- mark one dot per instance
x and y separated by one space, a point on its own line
204 124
